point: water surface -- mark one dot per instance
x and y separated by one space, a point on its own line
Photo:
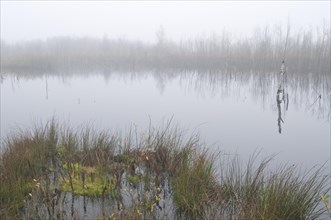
233 112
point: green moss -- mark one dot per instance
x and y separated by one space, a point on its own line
135 179
100 186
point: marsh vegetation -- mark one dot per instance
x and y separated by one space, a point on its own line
56 171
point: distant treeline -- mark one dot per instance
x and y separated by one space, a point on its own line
304 51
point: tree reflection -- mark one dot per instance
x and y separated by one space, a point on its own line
308 91
282 96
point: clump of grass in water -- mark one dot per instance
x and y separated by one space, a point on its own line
194 184
26 156
142 176
283 194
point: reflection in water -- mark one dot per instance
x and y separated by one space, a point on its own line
2 78
282 96
307 90
46 88
227 103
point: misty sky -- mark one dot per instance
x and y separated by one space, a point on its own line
26 20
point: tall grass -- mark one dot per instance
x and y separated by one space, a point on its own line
287 193
56 171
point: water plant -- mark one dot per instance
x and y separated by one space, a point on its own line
59 172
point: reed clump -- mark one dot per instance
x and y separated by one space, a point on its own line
58 172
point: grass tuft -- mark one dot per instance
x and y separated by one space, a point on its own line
56 171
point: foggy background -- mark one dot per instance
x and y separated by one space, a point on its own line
181 35
134 20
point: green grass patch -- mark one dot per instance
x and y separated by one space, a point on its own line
158 175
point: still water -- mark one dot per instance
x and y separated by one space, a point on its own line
237 113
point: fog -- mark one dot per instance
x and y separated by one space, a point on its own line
263 52
133 20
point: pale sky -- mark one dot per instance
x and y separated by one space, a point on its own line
26 20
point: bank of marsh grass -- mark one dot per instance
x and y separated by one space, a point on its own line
56 171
